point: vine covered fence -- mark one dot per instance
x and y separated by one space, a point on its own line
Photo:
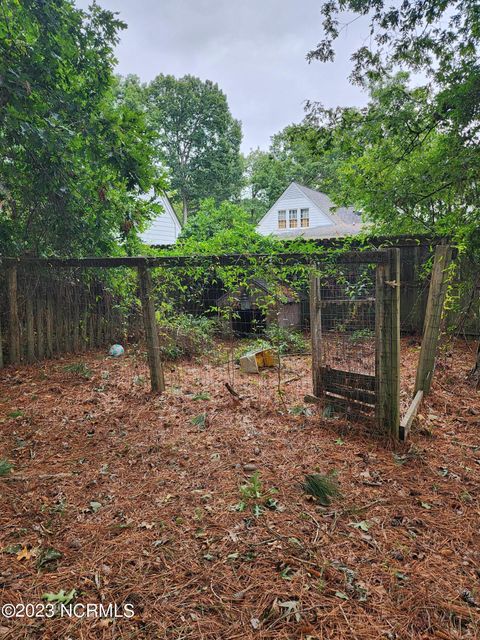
287 327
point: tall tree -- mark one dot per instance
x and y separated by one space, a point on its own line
296 154
391 163
73 158
197 139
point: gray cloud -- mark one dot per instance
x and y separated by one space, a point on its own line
254 49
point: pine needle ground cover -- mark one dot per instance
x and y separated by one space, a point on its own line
113 495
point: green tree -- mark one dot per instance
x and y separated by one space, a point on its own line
197 139
297 153
223 228
405 173
73 159
411 158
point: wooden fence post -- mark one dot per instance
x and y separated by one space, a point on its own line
151 333
13 321
387 347
29 322
316 333
433 318
39 319
1 346
49 320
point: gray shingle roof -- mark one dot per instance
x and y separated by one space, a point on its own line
345 221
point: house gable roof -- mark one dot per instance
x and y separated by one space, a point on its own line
156 230
344 220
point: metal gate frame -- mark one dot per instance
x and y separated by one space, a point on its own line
381 392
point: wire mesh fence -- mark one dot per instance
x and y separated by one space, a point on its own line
242 323
348 318
245 326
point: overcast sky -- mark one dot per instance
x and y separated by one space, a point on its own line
254 49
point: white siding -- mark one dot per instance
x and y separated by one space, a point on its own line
291 198
164 229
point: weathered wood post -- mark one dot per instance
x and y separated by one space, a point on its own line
49 320
433 318
316 333
39 320
387 347
30 324
1 346
76 320
151 334
13 321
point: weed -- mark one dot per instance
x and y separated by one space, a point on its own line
18 413
322 488
61 597
299 410
203 395
361 334
253 496
79 369
5 467
186 336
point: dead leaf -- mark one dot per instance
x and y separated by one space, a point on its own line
26 554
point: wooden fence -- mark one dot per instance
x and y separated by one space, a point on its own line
45 313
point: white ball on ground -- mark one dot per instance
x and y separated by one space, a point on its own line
116 350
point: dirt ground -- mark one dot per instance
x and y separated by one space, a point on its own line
129 498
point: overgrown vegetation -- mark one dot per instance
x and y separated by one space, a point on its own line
74 159
186 336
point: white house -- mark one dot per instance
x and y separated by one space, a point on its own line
164 228
301 211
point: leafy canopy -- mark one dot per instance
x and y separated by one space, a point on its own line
196 138
73 159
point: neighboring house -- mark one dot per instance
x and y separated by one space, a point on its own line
301 211
165 228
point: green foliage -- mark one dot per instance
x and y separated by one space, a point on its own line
253 496
186 336
48 558
225 228
196 137
5 467
286 340
61 597
322 488
295 154
437 37
281 339
402 168
410 160
200 421
73 158
79 369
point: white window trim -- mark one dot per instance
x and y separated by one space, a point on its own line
293 215
305 216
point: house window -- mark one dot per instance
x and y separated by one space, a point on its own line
292 218
282 219
304 218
